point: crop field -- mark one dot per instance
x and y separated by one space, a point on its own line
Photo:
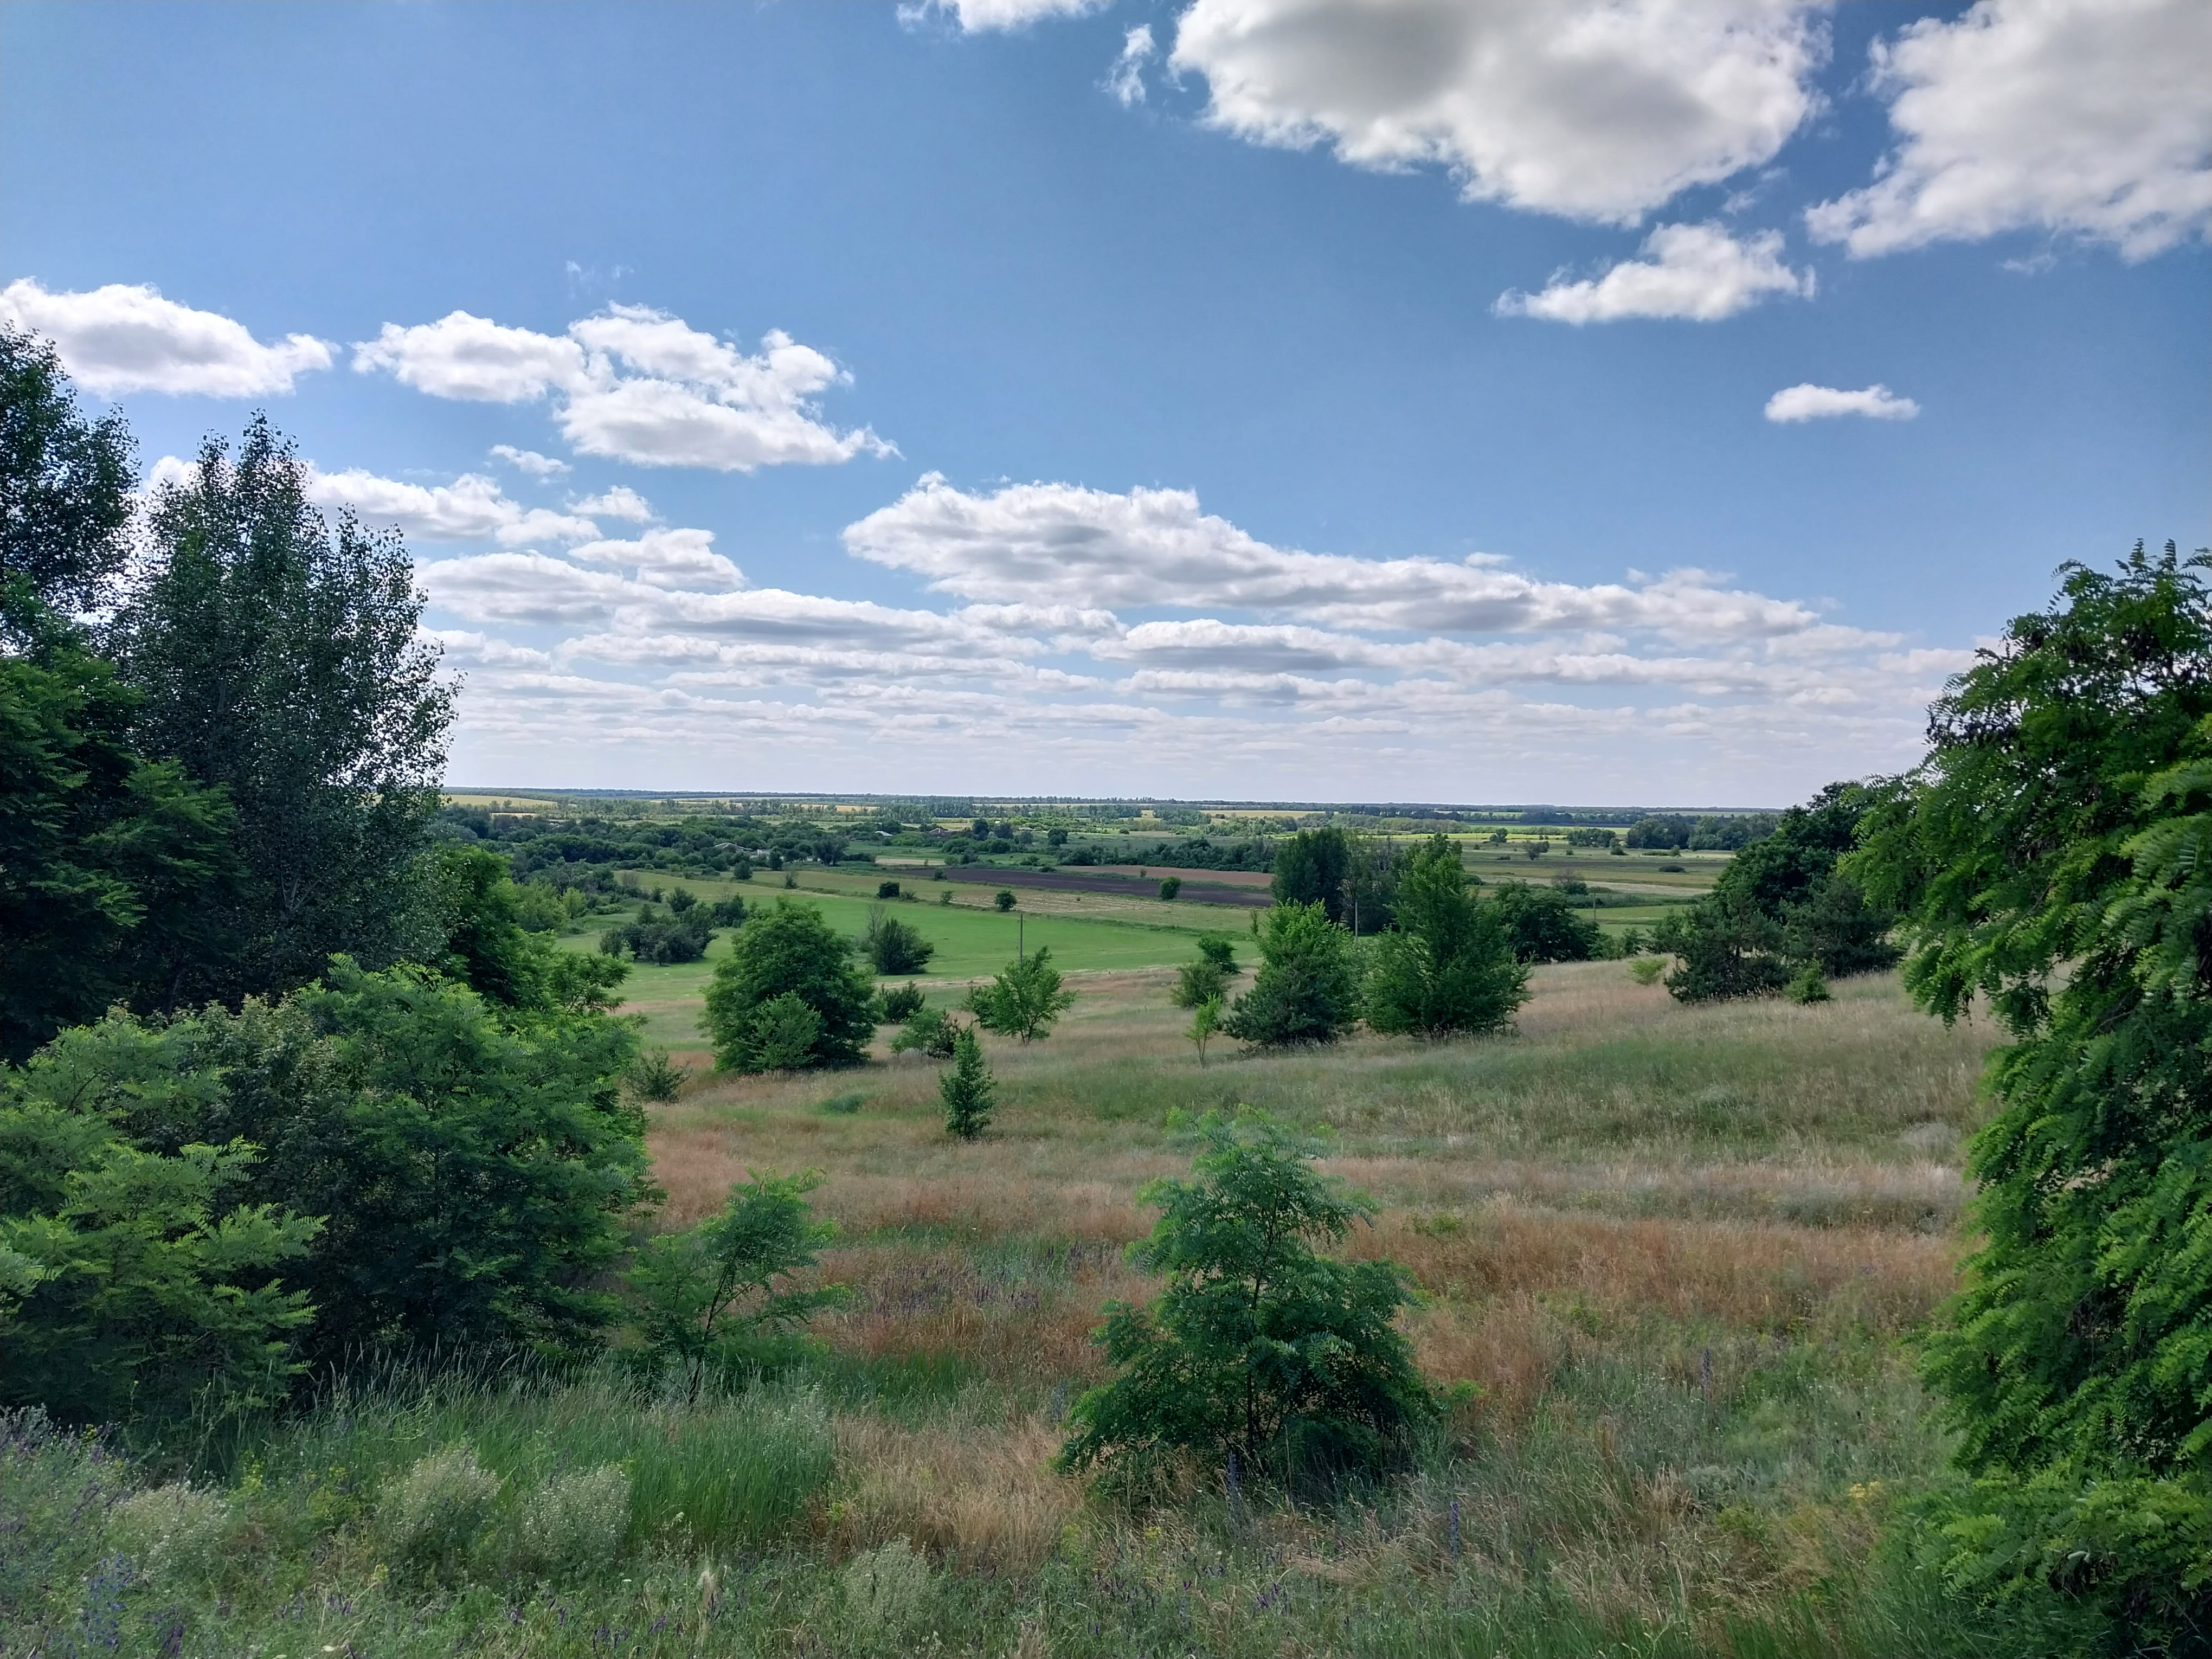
1678 1251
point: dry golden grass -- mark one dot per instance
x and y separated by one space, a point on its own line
985 1495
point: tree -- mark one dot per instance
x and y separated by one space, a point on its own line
1258 1345
967 1091
1310 867
1004 899
280 658
1370 883
894 946
719 1296
1201 981
1170 886
1306 989
931 1031
1205 1021
1023 999
898 1003
1449 967
66 488
791 949
1544 927
2048 856
661 938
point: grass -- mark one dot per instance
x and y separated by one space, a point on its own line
1680 1251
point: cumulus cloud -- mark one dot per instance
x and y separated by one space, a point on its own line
529 461
636 384
128 338
1066 544
1696 272
470 508
977 16
526 587
620 502
1595 109
668 558
1126 81
2082 118
1807 402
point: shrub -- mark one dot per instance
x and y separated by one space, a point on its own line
1646 969
1198 983
898 1003
1544 927
1306 989
1003 899
1170 886
1257 1346
791 950
661 939
657 1078
719 1297
174 1531
967 1089
894 946
1205 1021
1809 986
930 1030
1219 950
573 1522
781 1035
1023 1000
887 889
1449 966
431 1518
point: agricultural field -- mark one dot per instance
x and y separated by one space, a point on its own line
1680 1251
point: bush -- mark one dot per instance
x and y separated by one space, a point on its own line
887 889
1258 1346
930 1030
1198 983
894 946
717 1298
967 1089
1306 989
1544 927
431 1518
1003 899
657 1078
661 939
781 1035
898 1003
1023 1000
1170 886
573 1524
1449 967
790 950
1219 950
174 1532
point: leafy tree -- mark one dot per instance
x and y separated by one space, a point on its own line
280 658
1544 925
65 489
473 1170
656 937
1004 899
2049 856
1449 966
967 1091
1205 1021
1023 999
898 1003
1373 869
894 946
1198 983
719 1296
1306 989
1310 867
141 1287
781 1035
1219 950
790 949
1170 886
1259 1345
931 1031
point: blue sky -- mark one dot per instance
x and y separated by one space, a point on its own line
1306 398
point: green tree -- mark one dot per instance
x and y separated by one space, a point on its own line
2049 856
1023 999
1306 989
719 1297
1449 966
966 1087
1310 867
1258 1344
1004 899
1205 1021
65 489
791 951
1170 886
1198 982
1544 927
280 658
782 1035
898 1003
931 1031
894 946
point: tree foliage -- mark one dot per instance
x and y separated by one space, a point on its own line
1449 966
65 489
1306 989
2053 855
790 950
1023 999
1310 868
1258 1344
1543 926
967 1089
893 946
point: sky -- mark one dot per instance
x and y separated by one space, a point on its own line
1600 403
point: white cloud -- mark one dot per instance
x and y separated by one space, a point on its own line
1065 544
691 400
2083 118
620 502
470 508
668 558
473 359
1807 402
529 461
1697 272
125 338
977 16
1596 109
526 587
1126 81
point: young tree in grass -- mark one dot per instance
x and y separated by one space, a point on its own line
1258 1345
1205 1021
790 950
893 946
719 1297
1207 979
1306 989
1449 967
1025 1000
2049 856
967 1091
931 1031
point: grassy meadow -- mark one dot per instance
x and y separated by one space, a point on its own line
1681 1252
